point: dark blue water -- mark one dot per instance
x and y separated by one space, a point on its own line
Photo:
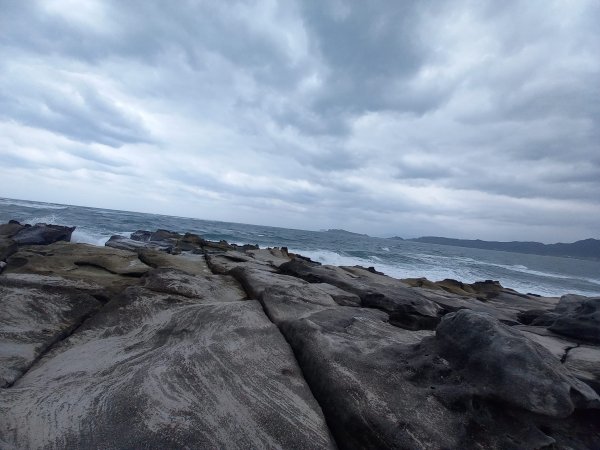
544 275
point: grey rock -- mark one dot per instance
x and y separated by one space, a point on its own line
141 236
123 243
504 365
353 361
341 297
191 263
11 228
107 267
282 303
579 317
33 318
255 281
42 234
409 307
584 362
224 262
7 248
211 288
160 371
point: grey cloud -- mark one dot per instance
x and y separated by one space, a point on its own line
480 112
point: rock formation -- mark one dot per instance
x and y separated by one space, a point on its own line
166 340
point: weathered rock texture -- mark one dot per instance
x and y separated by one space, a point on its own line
166 340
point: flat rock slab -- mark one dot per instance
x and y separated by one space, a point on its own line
191 263
33 318
212 288
224 262
160 371
104 266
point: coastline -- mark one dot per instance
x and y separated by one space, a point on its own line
117 330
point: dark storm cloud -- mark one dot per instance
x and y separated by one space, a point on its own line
479 119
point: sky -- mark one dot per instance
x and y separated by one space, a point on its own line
468 119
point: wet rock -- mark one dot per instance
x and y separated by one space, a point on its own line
33 318
505 366
578 317
161 371
42 234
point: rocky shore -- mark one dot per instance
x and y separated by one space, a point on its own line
167 340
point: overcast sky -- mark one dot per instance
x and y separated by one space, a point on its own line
473 119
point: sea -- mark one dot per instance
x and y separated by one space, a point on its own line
542 275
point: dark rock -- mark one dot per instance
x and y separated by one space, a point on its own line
43 234
141 236
353 361
579 317
33 318
11 228
504 365
7 248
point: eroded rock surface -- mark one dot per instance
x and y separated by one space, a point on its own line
167 340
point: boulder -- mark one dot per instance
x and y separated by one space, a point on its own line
42 234
156 370
34 317
505 366
578 317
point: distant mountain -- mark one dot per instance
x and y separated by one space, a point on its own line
587 248
340 231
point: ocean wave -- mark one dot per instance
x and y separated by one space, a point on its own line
34 205
86 236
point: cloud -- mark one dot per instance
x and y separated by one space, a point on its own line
467 119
